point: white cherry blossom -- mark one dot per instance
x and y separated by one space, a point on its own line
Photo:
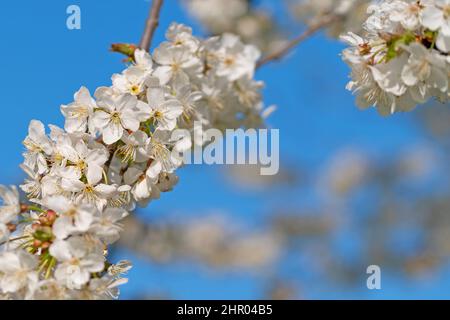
115 116
72 219
77 261
164 112
107 225
17 269
78 113
38 147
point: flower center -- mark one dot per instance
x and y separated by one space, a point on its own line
229 61
128 152
175 67
72 212
414 8
89 189
74 262
135 90
158 114
80 112
58 158
115 118
446 10
33 147
81 165
423 69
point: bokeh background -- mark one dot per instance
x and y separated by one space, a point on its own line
355 189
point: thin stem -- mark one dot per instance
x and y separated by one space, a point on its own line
14 239
35 208
50 267
283 51
151 25
43 265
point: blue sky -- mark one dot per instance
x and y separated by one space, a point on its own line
43 64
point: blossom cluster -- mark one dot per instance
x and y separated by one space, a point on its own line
402 59
119 148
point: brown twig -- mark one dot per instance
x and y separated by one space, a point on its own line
151 25
283 51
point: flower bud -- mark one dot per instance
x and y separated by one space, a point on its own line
43 233
37 243
124 48
51 216
45 245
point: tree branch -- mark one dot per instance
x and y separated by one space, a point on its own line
283 51
151 25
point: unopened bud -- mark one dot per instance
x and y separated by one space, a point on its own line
51 216
45 245
124 48
11 227
43 233
37 243
43 220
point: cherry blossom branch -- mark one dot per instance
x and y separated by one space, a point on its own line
137 139
283 51
151 25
